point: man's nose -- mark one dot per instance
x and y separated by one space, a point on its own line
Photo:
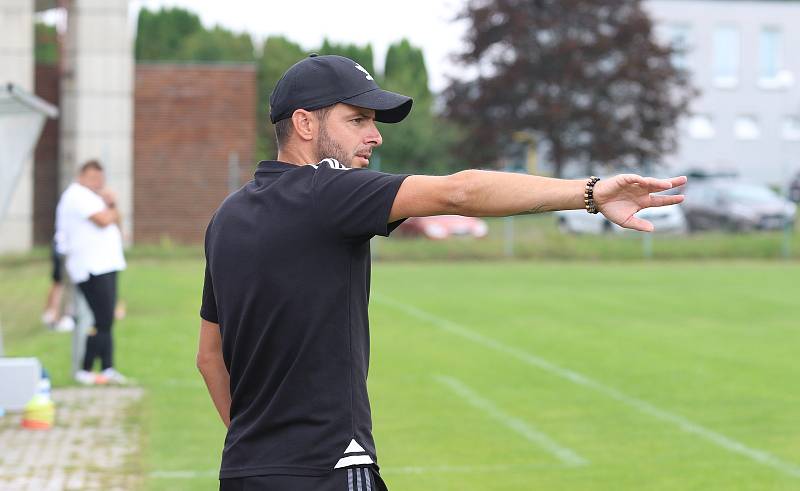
374 137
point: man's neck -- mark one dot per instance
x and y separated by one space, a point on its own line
296 157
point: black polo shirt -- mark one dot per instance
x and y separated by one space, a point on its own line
287 279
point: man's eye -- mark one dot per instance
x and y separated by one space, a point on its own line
357 120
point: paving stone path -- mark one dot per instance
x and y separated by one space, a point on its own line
94 444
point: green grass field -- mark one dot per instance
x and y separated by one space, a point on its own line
503 375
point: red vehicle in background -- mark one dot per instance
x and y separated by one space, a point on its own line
444 226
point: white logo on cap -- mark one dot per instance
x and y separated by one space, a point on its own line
369 77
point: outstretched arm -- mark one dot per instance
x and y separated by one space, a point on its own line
487 193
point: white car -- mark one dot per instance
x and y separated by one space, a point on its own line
666 219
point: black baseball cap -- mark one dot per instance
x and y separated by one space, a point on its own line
321 81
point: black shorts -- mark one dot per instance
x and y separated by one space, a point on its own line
58 264
350 479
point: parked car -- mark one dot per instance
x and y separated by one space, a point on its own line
666 219
444 226
737 206
794 189
580 222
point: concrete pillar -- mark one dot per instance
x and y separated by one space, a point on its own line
97 96
16 66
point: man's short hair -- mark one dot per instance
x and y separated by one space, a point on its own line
91 165
284 127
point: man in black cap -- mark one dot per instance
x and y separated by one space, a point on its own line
284 338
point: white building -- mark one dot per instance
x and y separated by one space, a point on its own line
96 99
744 57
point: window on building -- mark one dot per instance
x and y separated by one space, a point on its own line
771 73
726 56
791 128
700 127
769 53
746 128
678 36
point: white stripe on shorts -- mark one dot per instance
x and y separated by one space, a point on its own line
367 479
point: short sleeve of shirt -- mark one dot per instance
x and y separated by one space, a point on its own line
86 203
354 202
208 310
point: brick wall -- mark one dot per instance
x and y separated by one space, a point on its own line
45 167
188 120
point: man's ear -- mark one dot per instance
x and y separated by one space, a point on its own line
303 123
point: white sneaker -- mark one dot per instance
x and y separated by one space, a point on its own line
66 324
114 377
85 378
49 318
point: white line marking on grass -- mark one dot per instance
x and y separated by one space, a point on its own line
644 407
519 426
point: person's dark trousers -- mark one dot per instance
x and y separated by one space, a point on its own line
101 295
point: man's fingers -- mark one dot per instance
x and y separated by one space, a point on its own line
678 181
661 184
633 178
636 223
662 200
656 185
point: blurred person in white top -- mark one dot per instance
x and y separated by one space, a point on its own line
87 221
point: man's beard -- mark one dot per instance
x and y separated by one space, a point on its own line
327 148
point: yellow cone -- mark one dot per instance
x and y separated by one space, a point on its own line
39 413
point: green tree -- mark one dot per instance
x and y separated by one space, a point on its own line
217 44
46 41
420 144
360 54
587 76
405 65
277 55
160 34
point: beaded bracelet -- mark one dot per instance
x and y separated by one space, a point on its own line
588 195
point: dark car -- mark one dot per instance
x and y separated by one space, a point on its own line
794 189
736 206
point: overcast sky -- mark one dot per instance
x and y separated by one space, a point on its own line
426 23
